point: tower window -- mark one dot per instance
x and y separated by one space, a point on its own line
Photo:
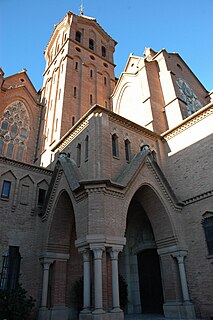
75 92
115 152
105 81
127 150
76 65
90 99
208 229
56 125
78 36
105 103
91 44
91 73
103 51
73 121
5 192
59 94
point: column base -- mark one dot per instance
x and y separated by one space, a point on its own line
43 313
178 310
116 310
102 316
60 313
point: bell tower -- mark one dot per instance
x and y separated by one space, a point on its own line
79 73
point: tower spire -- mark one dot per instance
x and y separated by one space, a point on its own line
81 9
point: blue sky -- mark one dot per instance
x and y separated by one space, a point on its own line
182 26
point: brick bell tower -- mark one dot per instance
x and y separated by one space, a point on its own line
79 73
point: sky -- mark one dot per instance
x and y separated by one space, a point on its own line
182 26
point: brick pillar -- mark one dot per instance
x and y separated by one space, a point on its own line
60 276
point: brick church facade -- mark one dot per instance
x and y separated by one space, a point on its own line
105 178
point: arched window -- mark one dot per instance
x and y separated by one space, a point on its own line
91 44
90 99
127 150
208 229
115 151
15 126
78 36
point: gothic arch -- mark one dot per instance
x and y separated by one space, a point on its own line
151 241
63 259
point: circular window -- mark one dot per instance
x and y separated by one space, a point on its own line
78 49
22 80
92 57
105 65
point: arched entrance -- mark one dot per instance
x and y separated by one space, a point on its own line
151 292
62 262
139 263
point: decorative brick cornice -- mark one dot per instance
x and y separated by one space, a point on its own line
71 136
53 187
132 126
164 188
189 122
25 166
198 197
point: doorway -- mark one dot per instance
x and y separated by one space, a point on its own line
151 292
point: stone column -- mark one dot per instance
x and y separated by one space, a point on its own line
86 267
115 281
98 279
46 267
180 259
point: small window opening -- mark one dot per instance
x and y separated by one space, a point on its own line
75 92
105 81
115 145
56 125
90 99
5 192
41 196
86 147
127 150
78 154
10 269
59 94
76 65
91 44
91 73
73 121
78 36
105 103
208 229
103 51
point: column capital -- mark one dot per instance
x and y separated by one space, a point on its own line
85 254
180 255
98 251
114 252
46 262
